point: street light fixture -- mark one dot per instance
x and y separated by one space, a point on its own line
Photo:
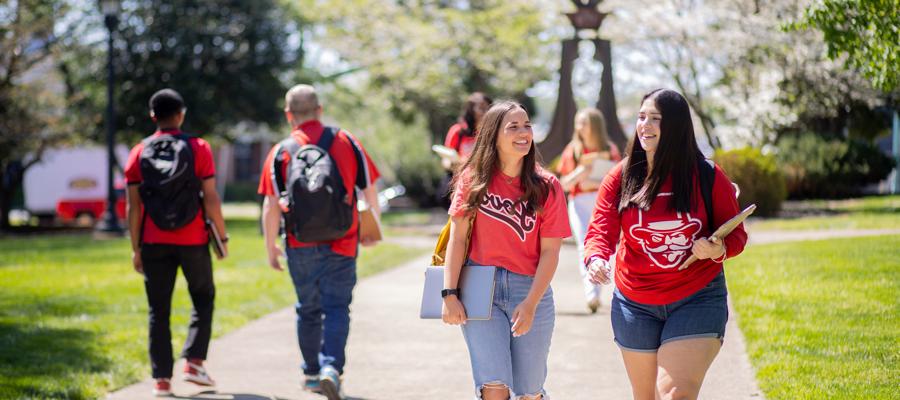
110 222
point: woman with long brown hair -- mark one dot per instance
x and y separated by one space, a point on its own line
590 143
517 214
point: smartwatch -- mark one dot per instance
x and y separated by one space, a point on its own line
447 292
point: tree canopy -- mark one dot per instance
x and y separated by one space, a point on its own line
866 31
426 56
227 59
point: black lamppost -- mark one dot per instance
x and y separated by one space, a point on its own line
110 222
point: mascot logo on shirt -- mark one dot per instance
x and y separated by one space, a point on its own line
667 242
516 216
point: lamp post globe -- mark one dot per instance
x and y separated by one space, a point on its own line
109 223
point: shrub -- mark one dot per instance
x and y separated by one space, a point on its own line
821 168
400 149
241 192
758 177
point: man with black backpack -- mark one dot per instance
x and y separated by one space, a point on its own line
309 181
171 201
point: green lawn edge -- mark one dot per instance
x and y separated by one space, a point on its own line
821 318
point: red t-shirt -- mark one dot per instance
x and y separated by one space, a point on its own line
344 156
463 144
567 163
654 242
194 233
504 234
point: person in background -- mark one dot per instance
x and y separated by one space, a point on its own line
166 175
589 143
322 264
461 137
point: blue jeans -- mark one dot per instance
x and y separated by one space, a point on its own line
644 327
324 282
499 358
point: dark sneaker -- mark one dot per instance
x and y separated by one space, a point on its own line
330 382
162 388
195 373
311 384
594 305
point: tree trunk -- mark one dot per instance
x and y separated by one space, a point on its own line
607 100
10 181
563 117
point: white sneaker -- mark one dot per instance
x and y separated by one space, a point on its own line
330 381
195 373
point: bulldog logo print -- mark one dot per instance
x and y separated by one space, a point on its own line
667 242
516 216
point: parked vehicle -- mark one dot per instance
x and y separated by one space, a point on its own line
69 185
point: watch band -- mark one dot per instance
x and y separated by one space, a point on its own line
447 292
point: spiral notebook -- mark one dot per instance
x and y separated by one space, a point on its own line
476 291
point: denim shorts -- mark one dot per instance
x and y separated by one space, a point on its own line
497 357
643 327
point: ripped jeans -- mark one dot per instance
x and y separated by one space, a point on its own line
500 359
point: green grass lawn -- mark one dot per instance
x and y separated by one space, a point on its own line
73 314
877 212
821 318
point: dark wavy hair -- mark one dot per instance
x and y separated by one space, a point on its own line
676 155
484 162
468 111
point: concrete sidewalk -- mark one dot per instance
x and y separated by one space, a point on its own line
392 354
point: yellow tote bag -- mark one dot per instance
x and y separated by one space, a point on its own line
440 248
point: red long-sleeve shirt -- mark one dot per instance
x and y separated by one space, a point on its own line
651 244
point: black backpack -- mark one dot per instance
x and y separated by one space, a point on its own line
170 189
318 205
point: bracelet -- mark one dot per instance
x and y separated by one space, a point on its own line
225 239
724 255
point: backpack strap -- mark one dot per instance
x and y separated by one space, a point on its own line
362 167
289 145
707 174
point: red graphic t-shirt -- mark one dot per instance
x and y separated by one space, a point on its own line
194 233
505 234
463 144
567 163
650 244
343 154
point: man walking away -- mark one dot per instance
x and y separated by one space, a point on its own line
308 181
171 192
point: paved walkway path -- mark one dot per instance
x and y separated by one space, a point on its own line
394 355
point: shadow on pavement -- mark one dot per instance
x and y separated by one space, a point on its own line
213 395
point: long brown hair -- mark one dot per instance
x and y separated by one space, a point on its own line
597 125
484 162
676 155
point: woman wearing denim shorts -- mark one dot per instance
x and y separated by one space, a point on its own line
669 322
520 220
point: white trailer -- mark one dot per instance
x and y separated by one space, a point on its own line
71 182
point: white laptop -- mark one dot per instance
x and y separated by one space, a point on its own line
476 291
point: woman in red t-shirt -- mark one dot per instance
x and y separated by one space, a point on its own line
669 323
520 220
461 137
590 145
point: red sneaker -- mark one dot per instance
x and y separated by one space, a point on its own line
195 373
162 388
